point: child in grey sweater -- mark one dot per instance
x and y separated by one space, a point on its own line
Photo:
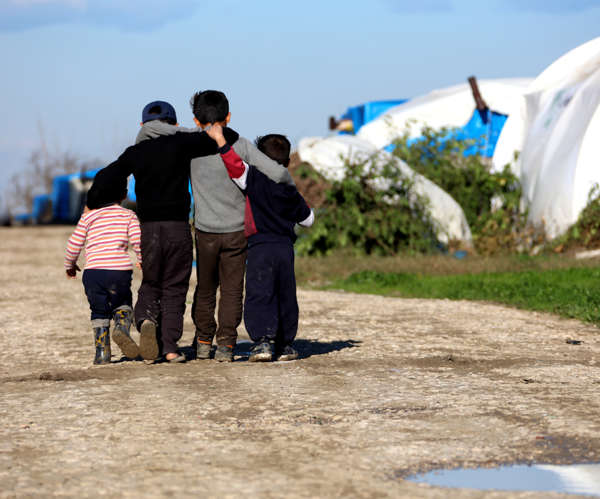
219 231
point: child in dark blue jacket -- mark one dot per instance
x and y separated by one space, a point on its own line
272 210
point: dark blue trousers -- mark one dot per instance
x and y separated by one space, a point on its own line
107 290
271 307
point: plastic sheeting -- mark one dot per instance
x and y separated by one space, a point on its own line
483 130
68 195
556 131
41 211
327 156
447 107
368 111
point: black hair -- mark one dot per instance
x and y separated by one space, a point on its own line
158 110
106 190
276 146
210 106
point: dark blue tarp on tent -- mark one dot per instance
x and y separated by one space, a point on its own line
368 111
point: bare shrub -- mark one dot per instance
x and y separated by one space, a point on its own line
37 176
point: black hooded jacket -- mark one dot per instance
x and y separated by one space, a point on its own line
161 167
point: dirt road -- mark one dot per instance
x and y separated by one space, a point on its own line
385 387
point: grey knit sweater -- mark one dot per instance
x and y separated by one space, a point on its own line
218 203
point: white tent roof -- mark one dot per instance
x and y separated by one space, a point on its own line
327 156
556 131
446 107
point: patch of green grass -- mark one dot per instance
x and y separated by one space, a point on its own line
323 270
572 292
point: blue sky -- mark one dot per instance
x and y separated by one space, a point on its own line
79 72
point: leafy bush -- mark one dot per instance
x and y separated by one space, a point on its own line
491 201
393 219
363 219
585 233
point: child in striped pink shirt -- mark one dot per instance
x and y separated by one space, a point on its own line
107 232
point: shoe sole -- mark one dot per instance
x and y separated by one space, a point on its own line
260 357
126 344
285 358
177 360
148 341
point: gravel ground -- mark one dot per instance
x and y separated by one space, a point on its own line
385 387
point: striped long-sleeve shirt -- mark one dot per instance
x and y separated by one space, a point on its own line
105 232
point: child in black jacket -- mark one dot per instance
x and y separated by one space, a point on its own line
161 167
272 210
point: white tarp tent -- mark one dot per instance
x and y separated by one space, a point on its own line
327 156
556 132
445 107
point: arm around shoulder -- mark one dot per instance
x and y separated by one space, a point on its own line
251 155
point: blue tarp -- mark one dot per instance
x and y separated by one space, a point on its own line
23 218
41 206
368 111
66 202
483 129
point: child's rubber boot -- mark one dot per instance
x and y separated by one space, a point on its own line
102 341
122 318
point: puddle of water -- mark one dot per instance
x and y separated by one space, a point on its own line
575 479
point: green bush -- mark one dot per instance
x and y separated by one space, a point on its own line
363 219
585 233
394 219
491 201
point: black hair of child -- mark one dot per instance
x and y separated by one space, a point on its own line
210 106
159 110
111 192
276 146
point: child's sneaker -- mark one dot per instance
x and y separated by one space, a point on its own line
121 336
288 353
261 351
148 340
223 353
203 350
102 341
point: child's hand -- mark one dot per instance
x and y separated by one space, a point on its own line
215 132
138 265
72 272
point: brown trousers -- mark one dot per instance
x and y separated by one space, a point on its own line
220 263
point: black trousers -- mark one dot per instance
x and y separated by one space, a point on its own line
167 256
220 263
271 307
106 290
